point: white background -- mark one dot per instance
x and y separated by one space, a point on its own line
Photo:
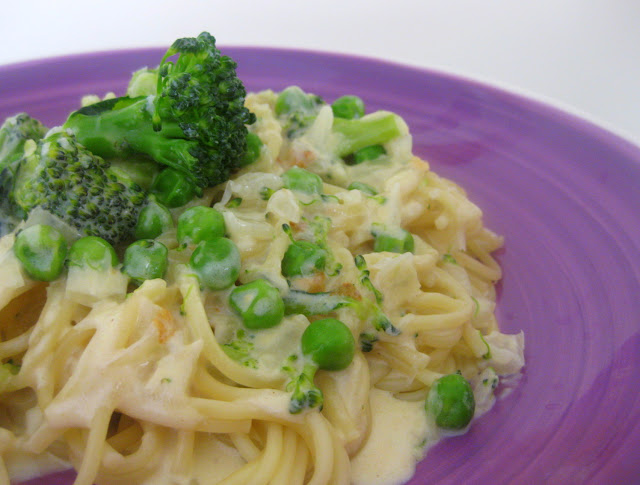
581 55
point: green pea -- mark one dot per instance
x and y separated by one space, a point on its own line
154 219
303 258
173 188
199 223
216 262
451 402
362 187
293 99
329 343
92 252
393 240
349 107
258 303
368 153
252 152
145 259
42 251
302 180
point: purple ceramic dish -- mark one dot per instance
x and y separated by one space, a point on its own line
564 193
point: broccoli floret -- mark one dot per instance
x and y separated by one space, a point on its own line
304 393
64 178
143 83
194 124
240 350
298 110
14 133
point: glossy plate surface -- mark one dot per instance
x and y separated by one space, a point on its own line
564 193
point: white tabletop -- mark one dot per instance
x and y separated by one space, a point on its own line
580 55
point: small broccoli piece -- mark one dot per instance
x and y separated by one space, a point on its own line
300 302
356 134
304 393
64 178
297 109
367 341
7 371
14 133
194 124
143 83
240 350
311 304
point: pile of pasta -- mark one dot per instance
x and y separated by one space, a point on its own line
141 390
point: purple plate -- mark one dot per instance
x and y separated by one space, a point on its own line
566 195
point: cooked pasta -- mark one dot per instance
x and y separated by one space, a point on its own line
161 383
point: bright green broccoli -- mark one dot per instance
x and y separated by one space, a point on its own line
194 124
14 133
299 109
64 178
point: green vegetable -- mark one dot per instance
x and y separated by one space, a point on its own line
258 303
451 402
216 262
240 350
367 341
360 133
140 170
329 343
298 109
65 179
92 252
303 258
200 223
304 393
143 83
14 133
154 219
7 371
194 124
448 258
42 251
362 187
173 188
302 303
302 180
145 259
252 152
368 153
348 107
323 303
391 239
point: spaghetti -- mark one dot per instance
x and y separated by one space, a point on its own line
165 386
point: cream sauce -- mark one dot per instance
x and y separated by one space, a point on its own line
399 430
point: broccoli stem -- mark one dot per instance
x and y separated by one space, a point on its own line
305 394
122 126
363 132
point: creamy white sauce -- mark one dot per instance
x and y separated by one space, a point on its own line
395 444
25 466
214 460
